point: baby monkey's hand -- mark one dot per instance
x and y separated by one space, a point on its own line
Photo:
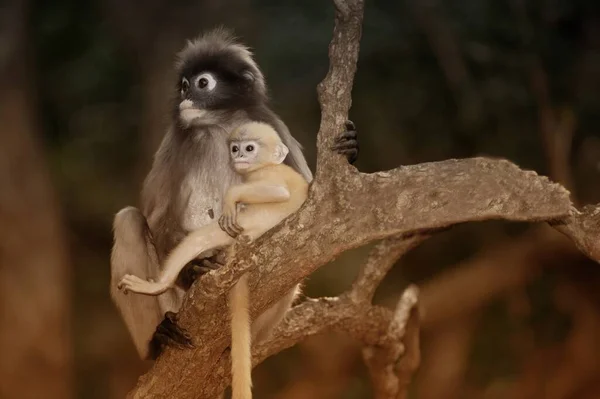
228 221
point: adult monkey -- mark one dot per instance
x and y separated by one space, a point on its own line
220 87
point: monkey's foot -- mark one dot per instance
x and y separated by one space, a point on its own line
347 143
168 333
140 286
197 268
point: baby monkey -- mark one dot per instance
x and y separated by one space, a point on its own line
270 191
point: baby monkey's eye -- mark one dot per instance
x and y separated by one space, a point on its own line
250 148
234 148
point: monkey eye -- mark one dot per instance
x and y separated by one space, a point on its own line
185 85
234 148
250 148
206 81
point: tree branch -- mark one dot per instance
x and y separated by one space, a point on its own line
379 262
334 91
583 227
347 209
391 367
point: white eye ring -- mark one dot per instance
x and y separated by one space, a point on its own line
206 81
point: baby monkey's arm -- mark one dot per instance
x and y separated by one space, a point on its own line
257 193
249 193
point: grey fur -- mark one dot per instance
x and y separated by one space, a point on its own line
183 191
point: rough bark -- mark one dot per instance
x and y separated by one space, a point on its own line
34 280
347 209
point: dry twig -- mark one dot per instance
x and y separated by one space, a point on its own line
391 367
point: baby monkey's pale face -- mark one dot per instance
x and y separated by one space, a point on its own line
244 155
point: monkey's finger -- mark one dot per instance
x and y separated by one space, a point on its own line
351 154
229 227
346 145
226 226
347 136
171 332
223 220
123 285
350 126
207 265
232 233
173 336
124 288
238 229
171 316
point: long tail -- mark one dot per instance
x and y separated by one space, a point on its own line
241 355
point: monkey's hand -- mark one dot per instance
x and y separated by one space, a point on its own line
228 221
168 333
347 143
135 284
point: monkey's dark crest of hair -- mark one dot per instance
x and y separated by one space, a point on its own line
241 82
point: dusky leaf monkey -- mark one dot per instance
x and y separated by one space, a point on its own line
269 192
219 88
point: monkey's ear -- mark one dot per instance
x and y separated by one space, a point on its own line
280 153
249 76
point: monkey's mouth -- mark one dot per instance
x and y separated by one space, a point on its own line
241 165
188 112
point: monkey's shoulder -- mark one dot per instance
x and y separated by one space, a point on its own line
282 175
281 172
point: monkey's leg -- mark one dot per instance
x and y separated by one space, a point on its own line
203 239
133 252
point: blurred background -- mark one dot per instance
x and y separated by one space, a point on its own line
512 310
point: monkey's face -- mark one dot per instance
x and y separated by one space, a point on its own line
245 155
252 154
205 92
